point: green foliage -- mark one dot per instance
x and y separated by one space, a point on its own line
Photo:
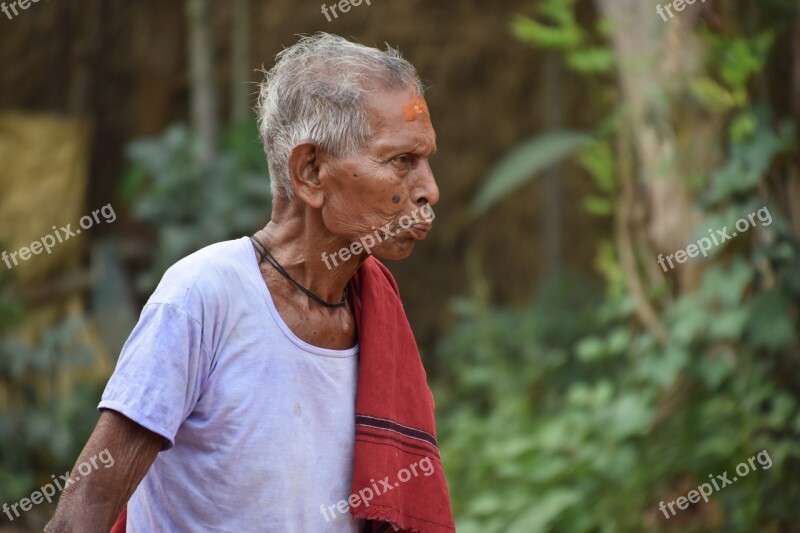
570 416
524 162
565 35
11 309
736 59
750 157
597 160
191 207
591 60
557 28
715 96
571 428
41 430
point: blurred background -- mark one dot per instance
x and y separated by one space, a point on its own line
578 381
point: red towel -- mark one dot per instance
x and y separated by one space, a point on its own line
121 523
397 472
395 427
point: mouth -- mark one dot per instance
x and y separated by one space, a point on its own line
420 231
417 231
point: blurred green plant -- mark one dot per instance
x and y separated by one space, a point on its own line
556 28
525 161
188 206
571 416
571 425
42 428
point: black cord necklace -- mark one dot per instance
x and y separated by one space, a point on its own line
268 258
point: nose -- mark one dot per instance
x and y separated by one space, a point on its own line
425 189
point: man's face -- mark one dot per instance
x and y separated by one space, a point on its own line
390 182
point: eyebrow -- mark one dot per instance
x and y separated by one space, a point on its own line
417 147
408 146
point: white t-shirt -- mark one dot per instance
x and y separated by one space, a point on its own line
260 424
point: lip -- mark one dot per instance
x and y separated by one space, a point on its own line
421 230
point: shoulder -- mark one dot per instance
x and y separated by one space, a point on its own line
205 277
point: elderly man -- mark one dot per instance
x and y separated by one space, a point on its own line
272 382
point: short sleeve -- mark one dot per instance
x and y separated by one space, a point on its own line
161 371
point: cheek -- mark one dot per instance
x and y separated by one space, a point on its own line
364 202
352 219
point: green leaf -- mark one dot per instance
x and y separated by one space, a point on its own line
591 60
599 206
743 57
712 94
728 324
750 159
563 36
727 286
486 504
770 325
743 126
714 370
662 369
598 160
544 510
524 162
590 349
631 416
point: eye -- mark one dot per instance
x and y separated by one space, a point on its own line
402 161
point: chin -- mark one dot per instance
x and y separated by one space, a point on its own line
398 251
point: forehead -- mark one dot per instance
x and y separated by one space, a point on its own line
400 116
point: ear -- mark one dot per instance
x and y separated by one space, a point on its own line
304 165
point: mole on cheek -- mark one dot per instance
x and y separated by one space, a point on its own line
396 198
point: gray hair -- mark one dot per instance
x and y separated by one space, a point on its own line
316 92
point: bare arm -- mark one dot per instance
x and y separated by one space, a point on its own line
93 502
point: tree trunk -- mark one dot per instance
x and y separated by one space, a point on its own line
655 59
240 61
203 95
552 200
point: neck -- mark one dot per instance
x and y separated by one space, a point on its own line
297 238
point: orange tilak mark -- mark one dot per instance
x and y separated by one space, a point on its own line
416 107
